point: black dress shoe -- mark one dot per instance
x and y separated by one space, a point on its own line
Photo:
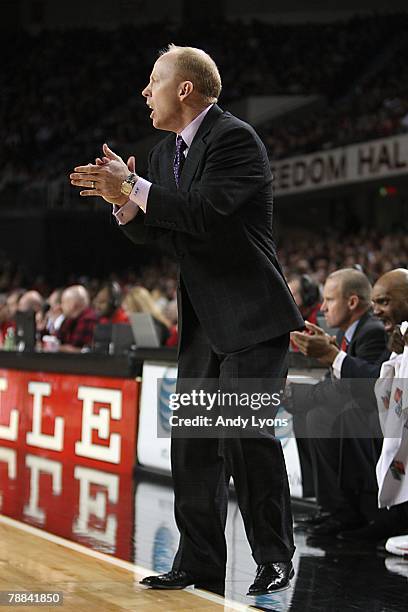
373 532
334 525
312 519
175 579
272 577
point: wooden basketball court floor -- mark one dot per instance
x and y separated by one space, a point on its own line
92 537
37 561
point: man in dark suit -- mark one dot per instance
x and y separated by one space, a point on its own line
390 306
343 462
209 198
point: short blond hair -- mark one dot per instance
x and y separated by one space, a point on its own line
196 65
353 282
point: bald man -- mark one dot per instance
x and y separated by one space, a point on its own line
76 331
390 301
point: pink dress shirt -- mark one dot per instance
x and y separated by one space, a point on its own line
140 193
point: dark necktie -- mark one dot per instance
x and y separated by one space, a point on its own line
179 159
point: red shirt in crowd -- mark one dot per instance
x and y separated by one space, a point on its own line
172 340
119 316
3 329
312 318
79 331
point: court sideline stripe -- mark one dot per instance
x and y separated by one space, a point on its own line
126 565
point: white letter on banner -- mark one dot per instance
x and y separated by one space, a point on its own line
100 423
95 505
8 432
38 465
9 456
36 437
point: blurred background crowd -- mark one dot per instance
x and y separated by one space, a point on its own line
85 302
153 288
354 68
357 68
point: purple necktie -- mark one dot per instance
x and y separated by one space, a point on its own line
179 159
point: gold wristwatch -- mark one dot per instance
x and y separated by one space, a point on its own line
128 184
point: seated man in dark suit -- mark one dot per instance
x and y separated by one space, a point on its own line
346 306
390 303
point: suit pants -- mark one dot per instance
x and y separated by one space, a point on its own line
202 467
344 467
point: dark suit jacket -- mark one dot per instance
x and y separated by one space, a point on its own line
219 226
355 367
354 402
368 344
363 366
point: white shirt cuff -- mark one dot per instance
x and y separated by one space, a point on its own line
337 363
125 213
137 199
140 193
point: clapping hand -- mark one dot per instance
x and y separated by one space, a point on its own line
105 177
316 343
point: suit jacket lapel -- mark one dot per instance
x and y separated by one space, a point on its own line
166 164
360 324
197 148
358 329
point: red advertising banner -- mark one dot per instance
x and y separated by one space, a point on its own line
87 420
86 505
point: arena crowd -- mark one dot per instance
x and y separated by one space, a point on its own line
43 71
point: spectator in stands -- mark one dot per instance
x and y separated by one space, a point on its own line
76 331
38 121
107 304
30 300
55 316
41 320
171 313
4 317
318 256
307 296
139 299
33 301
159 296
13 299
